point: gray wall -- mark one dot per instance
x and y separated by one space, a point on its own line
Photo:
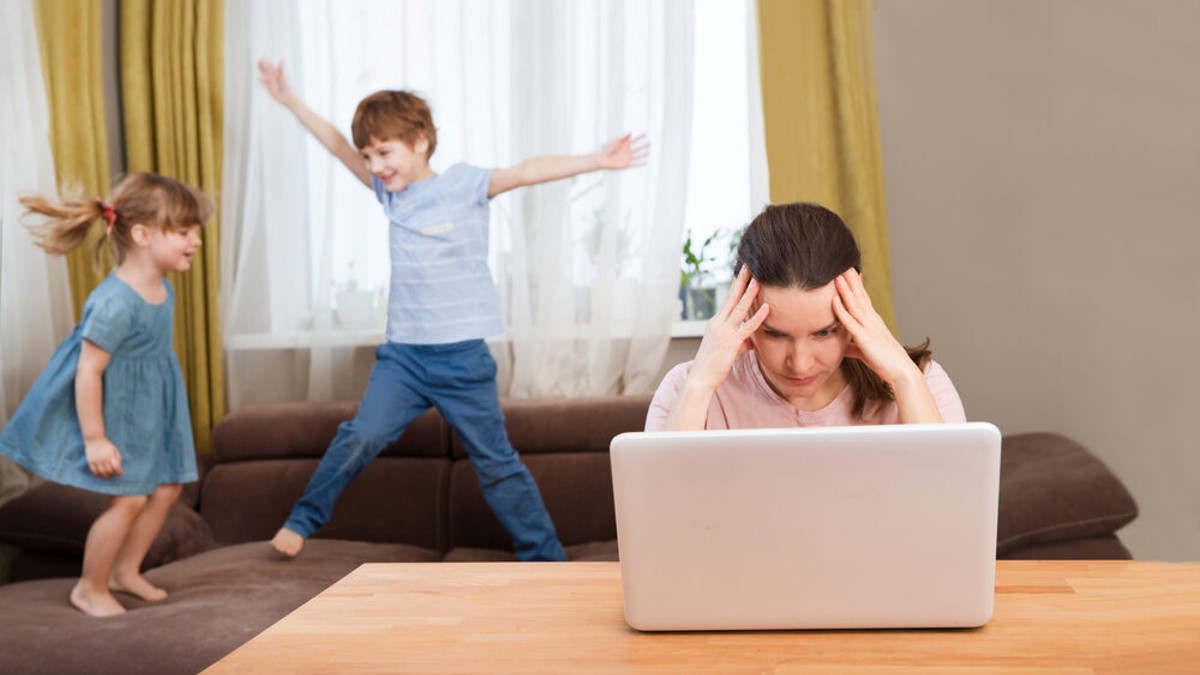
1042 165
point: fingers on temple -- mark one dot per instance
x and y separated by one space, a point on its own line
845 316
751 324
746 301
736 288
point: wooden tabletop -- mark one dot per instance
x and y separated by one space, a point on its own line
1054 617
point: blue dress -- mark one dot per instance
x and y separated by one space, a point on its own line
145 403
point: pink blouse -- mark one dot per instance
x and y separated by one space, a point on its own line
745 401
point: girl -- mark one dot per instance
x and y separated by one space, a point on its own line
109 413
797 342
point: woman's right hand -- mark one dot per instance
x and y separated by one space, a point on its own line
103 458
728 333
274 80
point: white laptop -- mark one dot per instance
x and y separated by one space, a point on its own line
822 528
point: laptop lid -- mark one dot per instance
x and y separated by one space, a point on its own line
889 526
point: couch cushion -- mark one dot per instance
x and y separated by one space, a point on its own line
576 488
568 424
218 600
55 519
1103 547
286 430
595 551
395 499
1053 489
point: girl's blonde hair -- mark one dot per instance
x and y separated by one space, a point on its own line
139 199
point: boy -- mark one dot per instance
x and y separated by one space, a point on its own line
442 305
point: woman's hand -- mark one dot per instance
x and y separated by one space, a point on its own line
274 80
726 336
103 458
870 339
873 343
728 332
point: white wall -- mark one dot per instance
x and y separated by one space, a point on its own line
1042 165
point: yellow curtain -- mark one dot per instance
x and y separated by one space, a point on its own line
820 122
69 41
172 81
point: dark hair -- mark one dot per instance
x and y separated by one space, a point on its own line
806 246
394 114
139 199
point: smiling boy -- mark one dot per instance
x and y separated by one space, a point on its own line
442 305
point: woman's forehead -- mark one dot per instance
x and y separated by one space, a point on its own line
796 311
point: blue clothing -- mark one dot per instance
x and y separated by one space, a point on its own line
441 288
145 403
460 379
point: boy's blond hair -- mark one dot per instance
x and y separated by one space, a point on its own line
394 115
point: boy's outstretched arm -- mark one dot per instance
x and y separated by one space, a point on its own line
619 153
276 83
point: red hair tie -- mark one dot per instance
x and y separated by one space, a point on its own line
107 212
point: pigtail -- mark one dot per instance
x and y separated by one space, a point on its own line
66 223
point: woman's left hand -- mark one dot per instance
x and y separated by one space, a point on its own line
870 339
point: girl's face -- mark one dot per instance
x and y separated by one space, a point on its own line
801 345
172 248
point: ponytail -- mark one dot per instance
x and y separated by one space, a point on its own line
68 221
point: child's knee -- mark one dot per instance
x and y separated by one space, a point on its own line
168 492
495 471
128 503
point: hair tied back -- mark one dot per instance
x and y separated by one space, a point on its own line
107 212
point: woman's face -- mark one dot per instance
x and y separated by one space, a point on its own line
801 345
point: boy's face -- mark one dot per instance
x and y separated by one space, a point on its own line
395 163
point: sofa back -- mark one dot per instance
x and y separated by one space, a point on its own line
422 490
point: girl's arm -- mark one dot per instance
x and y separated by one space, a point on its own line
102 456
725 337
276 83
872 342
619 153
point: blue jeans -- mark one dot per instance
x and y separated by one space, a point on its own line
460 380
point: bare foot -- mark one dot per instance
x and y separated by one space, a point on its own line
95 602
136 584
287 542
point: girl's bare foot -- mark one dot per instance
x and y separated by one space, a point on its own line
136 584
95 602
287 542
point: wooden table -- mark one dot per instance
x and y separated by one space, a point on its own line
1050 617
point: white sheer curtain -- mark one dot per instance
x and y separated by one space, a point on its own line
35 300
587 268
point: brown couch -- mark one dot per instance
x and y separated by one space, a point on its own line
418 502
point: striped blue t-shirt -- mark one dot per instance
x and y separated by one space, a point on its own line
442 290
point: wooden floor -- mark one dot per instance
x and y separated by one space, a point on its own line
1050 617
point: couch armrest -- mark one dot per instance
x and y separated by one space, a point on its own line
55 519
1053 489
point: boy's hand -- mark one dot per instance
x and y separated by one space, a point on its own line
273 79
624 152
103 458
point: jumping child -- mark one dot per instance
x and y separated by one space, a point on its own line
443 304
109 413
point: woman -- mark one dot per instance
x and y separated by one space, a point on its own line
797 342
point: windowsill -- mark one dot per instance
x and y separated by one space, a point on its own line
369 337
